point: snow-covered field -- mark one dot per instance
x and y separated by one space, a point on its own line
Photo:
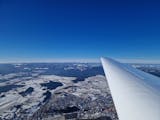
9 100
25 88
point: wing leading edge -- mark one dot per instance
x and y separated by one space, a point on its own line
136 94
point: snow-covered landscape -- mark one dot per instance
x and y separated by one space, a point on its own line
25 89
57 91
13 102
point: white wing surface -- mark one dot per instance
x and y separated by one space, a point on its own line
136 94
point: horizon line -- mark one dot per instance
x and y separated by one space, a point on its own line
94 60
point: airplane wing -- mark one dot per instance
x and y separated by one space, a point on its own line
136 94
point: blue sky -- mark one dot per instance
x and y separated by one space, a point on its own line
41 30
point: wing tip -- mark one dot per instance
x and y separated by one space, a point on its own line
106 59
